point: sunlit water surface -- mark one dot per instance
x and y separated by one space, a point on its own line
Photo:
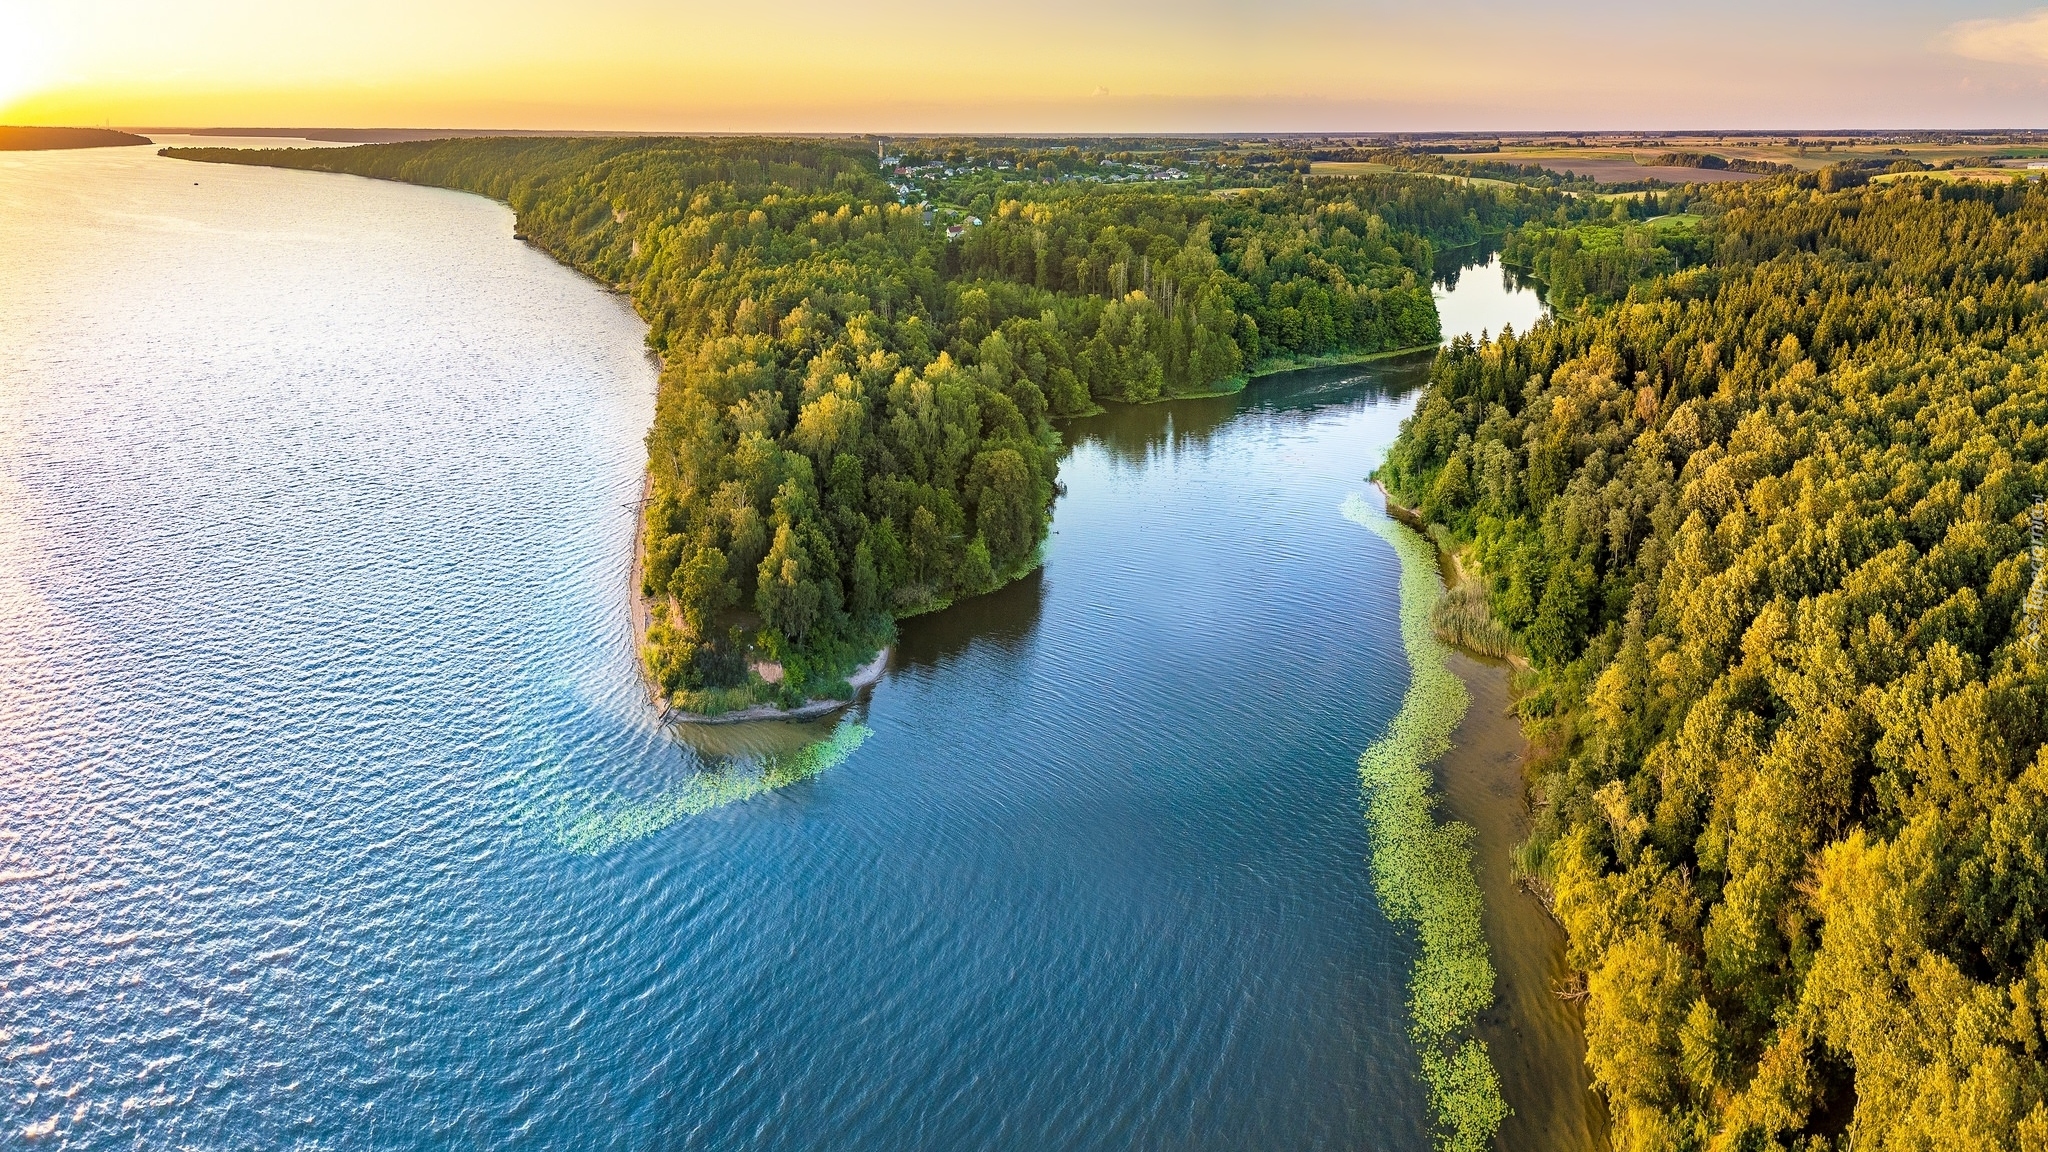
334 817
1485 298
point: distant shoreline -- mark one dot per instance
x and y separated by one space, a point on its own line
386 135
18 139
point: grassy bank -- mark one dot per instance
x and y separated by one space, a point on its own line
1422 868
1271 366
1275 365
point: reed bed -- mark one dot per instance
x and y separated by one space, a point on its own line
1461 617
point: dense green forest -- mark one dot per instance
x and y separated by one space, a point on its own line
1598 249
1760 525
855 414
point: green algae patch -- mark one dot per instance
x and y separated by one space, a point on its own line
1422 867
594 826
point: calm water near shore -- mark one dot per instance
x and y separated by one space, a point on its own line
335 817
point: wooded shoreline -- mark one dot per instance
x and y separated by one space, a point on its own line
17 139
855 420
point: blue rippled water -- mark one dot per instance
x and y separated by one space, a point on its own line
334 818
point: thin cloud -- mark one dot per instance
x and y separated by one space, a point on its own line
2021 39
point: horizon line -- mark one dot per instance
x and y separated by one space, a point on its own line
1251 134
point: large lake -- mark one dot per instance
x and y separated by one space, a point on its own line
334 816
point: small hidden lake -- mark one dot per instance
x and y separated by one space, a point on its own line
335 817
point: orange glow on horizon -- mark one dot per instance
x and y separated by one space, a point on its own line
1060 65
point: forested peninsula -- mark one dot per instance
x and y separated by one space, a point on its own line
16 139
855 417
1755 510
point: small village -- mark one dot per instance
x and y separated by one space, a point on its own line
916 181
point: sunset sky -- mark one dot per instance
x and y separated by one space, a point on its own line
1054 65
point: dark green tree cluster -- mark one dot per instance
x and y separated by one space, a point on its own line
1183 292
1579 258
1339 265
1712 161
854 420
1762 528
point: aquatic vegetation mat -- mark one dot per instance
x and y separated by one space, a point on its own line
1422 867
589 825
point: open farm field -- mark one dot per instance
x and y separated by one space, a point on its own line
1807 152
1372 168
1814 159
1351 168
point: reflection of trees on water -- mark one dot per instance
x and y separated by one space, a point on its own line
1005 618
1519 281
1132 435
1449 263
1452 263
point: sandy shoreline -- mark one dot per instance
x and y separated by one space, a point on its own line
1537 1039
860 680
643 616
642 608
